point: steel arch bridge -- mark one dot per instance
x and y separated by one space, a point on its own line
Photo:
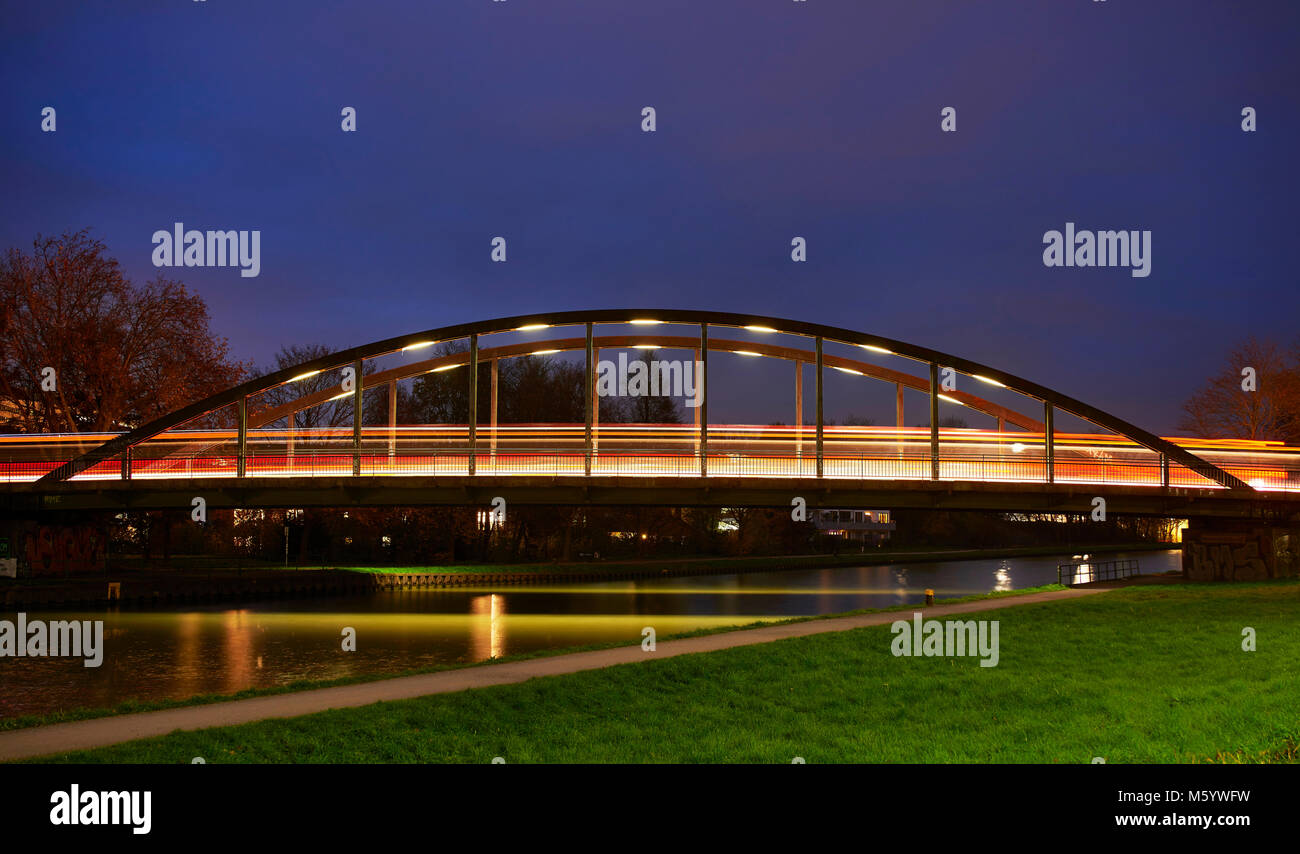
1031 468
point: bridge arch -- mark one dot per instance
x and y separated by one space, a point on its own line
707 321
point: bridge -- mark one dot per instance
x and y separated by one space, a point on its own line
243 447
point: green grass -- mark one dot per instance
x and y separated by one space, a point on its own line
132 706
1145 674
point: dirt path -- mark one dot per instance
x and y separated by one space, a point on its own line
100 732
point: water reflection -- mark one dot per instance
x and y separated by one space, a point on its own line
156 654
489 635
901 585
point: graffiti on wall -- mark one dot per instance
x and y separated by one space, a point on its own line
64 550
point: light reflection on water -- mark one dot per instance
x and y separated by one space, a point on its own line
215 649
1002 577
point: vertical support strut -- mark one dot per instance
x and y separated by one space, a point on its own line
934 421
821 422
241 462
899 423
595 404
392 419
1049 440
473 403
590 371
798 412
493 437
126 463
356 419
697 389
1164 471
704 399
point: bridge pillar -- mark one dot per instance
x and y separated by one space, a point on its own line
821 461
126 463
1240 550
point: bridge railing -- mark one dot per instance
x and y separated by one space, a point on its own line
884 464
1086 572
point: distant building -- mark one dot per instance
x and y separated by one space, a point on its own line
869 527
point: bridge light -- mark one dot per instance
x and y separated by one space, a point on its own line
989 380
303 376
1018 448
543 352
951 399
760 329
848 370
645 346
419 346
873 348
746 353
645 322
341 396
533 327
444 368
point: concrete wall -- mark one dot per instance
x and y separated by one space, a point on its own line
1223 550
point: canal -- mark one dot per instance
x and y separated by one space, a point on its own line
152 654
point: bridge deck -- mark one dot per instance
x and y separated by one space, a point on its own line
659 451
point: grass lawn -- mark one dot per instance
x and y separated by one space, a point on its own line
1147 674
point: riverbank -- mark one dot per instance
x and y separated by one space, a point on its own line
132 707
1147 673
196 582
91 733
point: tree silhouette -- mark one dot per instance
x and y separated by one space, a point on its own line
1223 408
121 355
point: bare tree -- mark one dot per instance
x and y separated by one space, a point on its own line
331 413
82 349
1229 407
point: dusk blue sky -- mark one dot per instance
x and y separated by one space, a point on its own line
775 119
